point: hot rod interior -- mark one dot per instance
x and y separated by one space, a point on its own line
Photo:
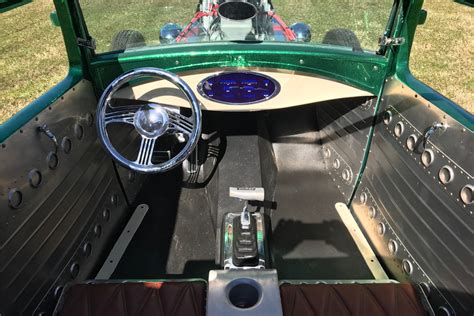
236 169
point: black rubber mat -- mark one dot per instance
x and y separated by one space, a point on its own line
176 238
309 240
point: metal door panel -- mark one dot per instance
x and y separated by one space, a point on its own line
419 225
57 215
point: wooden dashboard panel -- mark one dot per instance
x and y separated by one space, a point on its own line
296 89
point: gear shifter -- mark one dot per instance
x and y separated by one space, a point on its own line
245 246
247 194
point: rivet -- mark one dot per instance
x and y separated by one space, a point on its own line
363 198
89 119
301 62
74 270
443 311
87 249
411 142
381 229
57 291
399 129
66 145
372 212
336 163
52 160
106 215
176 62
327 152
407 266
114 199
376 68
426 288
35 178
466 194
387 117
347 175
78 131
446 174
427 157
97 230
15 198
392 246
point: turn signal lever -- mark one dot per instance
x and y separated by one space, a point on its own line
247 194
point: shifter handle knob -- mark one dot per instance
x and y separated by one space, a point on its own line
248 194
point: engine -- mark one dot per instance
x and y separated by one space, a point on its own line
241 20
235 20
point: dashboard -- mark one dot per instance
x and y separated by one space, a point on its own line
243 90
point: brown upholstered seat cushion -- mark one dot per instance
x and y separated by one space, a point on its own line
350 299
146 298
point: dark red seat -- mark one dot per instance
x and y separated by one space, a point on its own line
389 299
133 298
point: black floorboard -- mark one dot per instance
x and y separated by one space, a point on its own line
176 238
309 240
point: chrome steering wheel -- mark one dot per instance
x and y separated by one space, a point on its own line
150 120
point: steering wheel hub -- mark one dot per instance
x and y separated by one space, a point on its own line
151 120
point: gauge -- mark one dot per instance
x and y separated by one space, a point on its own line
239 88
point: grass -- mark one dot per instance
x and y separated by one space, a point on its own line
32 55
443 51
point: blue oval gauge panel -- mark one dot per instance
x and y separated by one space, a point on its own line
238 88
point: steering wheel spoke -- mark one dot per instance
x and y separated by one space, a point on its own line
180 123
145 153
121 114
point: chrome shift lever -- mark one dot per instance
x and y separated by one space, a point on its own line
245 217
247 194
244 233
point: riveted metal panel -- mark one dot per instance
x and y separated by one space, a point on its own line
344 127
411 209
131 181
58 207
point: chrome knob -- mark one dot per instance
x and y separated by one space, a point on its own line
151 120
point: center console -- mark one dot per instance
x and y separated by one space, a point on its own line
244 286
243 292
